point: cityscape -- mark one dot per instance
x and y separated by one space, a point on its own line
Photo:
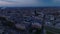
29 20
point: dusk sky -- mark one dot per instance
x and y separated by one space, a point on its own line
28 3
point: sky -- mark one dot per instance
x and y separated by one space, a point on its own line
29 3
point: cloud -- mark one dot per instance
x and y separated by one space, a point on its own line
25 3
4 3
28 2
9 0
21 2
56 1
18 2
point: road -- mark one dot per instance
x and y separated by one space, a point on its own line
52 30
